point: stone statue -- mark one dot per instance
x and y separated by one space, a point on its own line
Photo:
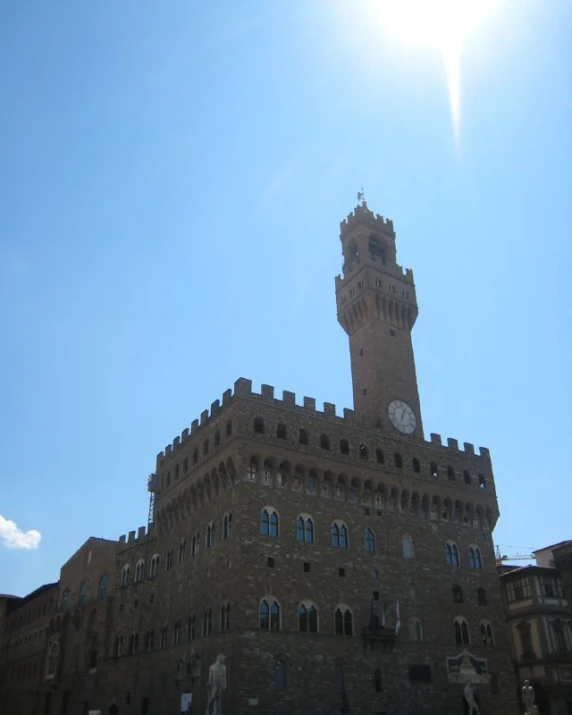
216 685
470 698
528 698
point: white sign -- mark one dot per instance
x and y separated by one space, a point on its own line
94 712
186 702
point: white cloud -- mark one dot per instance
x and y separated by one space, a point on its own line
14 538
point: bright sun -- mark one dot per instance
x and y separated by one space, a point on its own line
443 25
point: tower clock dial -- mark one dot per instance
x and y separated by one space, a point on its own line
402 416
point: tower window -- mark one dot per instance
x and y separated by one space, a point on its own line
195 455
433 469
352 292
363 453
206 446
306 567
258 425
217 438
281 431
324 441
377 680
229 428
378 282
392 289
406 294
466 476
398 460
360 285
482 481
379 456
361 352
303 436
344 446
416 465
450 473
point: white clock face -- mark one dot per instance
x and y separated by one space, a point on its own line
402 416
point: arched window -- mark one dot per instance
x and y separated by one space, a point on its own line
281 432
269 614
324 441
486 631
343 621
195 455
103 586
269 522
169 560
481 597
450 473
227 526
451 554
457 594
139 570
466 476
177 633
207 622
182 548
281 675
433 469
125 574
482 481
344 446
475 560
369 541
303 436
398 459
196 544
416 465
258 425
305 529
307 617
339 535
164 636
225 617
217 438
65 602
154 570
118 647
210 536
229 428
379 456
133 644
206 447
52 664
415 630
191 627
363 451
461 630
377 680
149 638
83 593
407 547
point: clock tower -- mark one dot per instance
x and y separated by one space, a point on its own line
377 308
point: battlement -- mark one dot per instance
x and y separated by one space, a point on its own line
396 269
363 215
243 389
131 538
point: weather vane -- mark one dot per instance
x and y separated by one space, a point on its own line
361 195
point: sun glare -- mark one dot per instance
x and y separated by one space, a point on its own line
442 25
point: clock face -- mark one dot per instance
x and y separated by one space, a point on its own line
402 416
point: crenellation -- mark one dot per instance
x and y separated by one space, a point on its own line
176 442
168 449
267 391
329 409
226 397
436 439
289 398
243 387
204 417
310 403
131 536
484 452
185 434
194 426
469 448
215 408
453 444
141 532
349 414
122 539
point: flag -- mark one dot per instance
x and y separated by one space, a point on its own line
397 617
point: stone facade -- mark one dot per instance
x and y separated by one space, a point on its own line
341 562
538 618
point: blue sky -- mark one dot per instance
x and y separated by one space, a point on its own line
172 180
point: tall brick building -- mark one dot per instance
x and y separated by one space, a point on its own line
342 563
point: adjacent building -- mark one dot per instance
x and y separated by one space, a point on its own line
538 617
340 561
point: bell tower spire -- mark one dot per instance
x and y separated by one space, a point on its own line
377 308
